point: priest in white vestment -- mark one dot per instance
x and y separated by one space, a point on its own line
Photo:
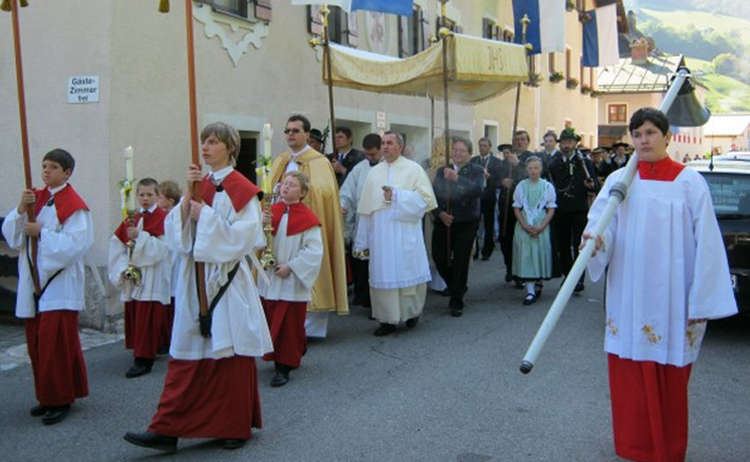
395 197
667 276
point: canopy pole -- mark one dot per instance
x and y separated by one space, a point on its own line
30 211
327 56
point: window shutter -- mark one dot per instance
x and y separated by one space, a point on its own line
263 10
403 37
353 30
425 30
314 20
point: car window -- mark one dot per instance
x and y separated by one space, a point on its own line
730 192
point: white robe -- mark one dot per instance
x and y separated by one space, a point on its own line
350 193
222 237
61 246
303 253
667 265
151 256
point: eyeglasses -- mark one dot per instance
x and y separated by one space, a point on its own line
292 130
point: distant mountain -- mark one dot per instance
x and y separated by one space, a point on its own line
715 33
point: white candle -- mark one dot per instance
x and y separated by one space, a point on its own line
267 134
128 154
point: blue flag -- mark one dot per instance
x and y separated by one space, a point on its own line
402 7
546 29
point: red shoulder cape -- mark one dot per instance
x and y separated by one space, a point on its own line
662 170
301 218
67 202
153 223
239 189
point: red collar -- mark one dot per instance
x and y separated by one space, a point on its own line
67 202
301 218
153 223
662 170
239 189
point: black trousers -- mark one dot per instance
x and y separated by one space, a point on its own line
360 278
567 228
488 205
507 228
452 259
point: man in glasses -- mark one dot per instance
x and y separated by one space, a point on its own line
330 290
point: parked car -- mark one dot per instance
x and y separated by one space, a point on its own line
728 178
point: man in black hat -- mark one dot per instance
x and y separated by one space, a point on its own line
316 140
492 167
573 177
620 157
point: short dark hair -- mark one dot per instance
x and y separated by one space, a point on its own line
652 115
345 130
465 141
170 190
146 182
61 157
371 141
300 118
550 133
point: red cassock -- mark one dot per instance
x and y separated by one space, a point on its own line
145 320
286 322
209 398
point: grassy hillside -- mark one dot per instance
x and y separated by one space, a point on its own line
682 19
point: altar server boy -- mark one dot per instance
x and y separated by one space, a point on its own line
64 233
139 246
169 196
211 387
298 249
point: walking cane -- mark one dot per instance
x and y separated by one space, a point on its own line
616 197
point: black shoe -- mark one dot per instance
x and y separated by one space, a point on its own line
508 277
163 350
517 284
152 441
55 414
579 287
538 286
137 370
457 312
232 443
412 323
530 298
38 411
280 379
384 329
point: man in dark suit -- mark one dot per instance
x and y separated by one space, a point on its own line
492 167
574 178
347 157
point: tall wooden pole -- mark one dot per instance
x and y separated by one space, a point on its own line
196 186
327 52
445 33
31 216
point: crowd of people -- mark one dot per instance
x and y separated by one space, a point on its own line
190 280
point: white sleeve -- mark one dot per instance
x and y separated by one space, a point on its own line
219 241
518 196
178 235
13 229
409 206
362 239
550 197
60 248
348 191
711 295
599 262
149 250
306 264
117 261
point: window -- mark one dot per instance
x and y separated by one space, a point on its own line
411 31
567 64
240 8
592 78
338 24
507 35
617 113
488 28
449 23
551 63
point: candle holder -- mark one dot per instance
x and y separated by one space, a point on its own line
132 273
267 259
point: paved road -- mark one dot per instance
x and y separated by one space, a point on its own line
448 391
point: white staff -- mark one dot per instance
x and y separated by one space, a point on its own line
616 197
